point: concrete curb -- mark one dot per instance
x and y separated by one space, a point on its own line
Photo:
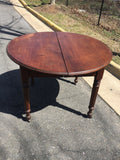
42 18
113 67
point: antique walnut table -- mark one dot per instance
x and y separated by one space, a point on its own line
58 54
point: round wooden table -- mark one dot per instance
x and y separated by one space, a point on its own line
57 54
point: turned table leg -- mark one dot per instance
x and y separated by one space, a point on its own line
95 89
76 80
25 82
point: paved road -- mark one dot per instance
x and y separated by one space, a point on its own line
59 129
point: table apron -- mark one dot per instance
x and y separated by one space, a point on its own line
33 73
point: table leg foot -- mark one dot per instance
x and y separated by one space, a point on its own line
28 116
76 80
89 114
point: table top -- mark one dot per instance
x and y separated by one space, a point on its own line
59 53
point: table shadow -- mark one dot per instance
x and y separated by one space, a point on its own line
42 94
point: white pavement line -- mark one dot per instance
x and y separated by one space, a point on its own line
109 90
32 20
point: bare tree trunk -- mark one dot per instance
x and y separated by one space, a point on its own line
52 1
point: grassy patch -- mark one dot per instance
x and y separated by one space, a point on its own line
36 3
116 59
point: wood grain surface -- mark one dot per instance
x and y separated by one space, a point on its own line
59 53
